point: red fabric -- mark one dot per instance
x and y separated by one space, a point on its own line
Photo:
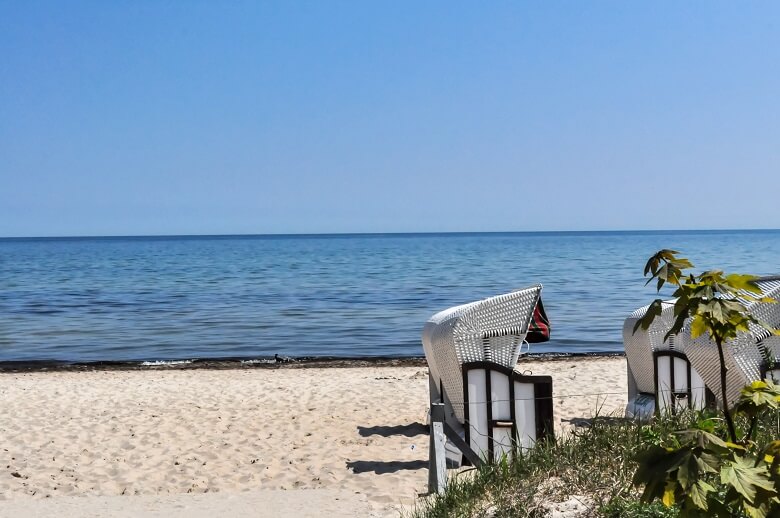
539 328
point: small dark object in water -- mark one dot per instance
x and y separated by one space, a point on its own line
282 359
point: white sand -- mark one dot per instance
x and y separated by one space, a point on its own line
256 440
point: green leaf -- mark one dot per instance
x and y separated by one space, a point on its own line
708 462
653 311
757 397
679 322
745 478
743 282
757 511
655 465
682 263
651 265
698 327
686 476
707 424
703 439
716 311
733 306
665 267
698 494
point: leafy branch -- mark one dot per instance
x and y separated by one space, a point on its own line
714 302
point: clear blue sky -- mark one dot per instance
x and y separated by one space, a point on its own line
294 117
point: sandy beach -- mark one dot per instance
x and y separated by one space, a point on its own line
346 441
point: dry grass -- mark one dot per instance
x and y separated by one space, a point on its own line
592 466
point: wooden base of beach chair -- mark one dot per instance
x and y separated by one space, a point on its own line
504 409
677 385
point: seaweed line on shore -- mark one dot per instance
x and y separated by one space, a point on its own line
259 363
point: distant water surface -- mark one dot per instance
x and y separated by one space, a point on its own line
165 298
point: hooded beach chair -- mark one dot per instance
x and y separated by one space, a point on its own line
660 376
471 352
752 356
680 372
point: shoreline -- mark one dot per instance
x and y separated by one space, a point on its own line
306 362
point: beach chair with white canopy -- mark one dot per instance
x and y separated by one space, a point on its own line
660 376
752 356
471 352
666 375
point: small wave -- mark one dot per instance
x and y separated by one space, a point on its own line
252 362
158 363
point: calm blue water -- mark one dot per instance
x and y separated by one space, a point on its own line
162 298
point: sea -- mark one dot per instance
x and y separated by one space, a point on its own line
182 298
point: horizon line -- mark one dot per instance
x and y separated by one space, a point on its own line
419 233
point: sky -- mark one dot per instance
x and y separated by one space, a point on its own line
194 117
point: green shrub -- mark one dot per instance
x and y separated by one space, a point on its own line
707 470
595 462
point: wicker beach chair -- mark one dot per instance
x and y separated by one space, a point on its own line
680 372
751 356
471 352
660 376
